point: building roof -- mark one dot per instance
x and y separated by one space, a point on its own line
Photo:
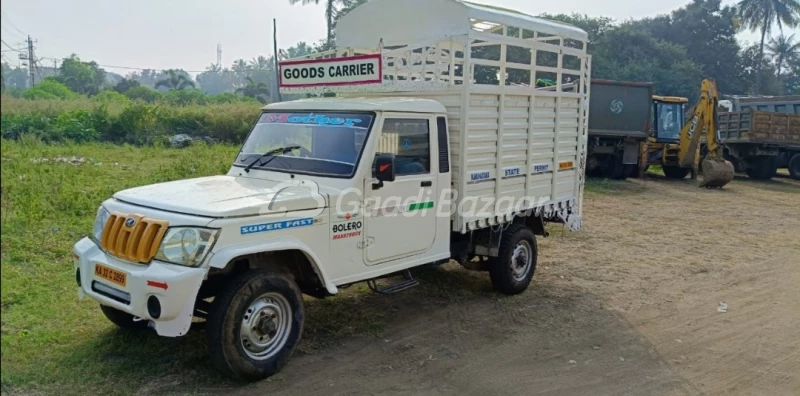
398 104
414 21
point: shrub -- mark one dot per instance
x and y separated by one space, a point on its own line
143 93
78 125
109 97
185 97
49 89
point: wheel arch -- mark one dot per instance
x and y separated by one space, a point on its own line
273 254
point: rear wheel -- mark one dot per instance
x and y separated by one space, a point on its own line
616 169
762 168
676 172
123 320
794 167
255 324
512 270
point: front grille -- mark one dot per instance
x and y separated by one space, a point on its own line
133 237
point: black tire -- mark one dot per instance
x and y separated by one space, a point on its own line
505 272
794 167
632 170
676 172
738 166
615 169
123 320
235 304
762 168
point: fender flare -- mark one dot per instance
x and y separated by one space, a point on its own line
221 258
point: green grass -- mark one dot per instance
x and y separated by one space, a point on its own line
51 342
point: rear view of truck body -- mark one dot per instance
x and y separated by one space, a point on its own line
762 135
621 112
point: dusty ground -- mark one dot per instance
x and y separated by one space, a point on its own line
628 305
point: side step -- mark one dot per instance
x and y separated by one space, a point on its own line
407 283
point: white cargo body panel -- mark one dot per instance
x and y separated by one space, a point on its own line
516 91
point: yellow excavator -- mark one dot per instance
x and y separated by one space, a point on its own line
677 149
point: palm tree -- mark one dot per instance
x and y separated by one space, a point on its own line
175 80
300 49
260 63
330 11
240 66
258 90
214 68
785 50
762 14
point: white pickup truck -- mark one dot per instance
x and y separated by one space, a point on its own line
436 148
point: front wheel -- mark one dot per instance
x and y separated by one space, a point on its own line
676 172
255 324
512 270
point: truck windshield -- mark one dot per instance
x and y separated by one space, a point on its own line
330 143
669 120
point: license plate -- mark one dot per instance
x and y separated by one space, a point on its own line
109 274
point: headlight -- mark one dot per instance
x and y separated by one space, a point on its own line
100 223
186 245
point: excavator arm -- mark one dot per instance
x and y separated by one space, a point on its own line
716 171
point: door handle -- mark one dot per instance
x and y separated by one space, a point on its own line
426 183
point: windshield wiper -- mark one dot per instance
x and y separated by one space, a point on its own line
281 150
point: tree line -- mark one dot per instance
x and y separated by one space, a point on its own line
674 51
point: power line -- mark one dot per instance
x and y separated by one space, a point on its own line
12 25
3 26
11 48
133 68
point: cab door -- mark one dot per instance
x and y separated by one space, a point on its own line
401 219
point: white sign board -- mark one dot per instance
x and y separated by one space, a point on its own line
354 70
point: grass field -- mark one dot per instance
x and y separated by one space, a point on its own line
50 341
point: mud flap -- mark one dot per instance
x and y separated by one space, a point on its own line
630 155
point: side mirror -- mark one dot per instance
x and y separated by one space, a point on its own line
384 169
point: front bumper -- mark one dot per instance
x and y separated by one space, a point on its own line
175 287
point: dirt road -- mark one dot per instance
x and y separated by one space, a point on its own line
628 305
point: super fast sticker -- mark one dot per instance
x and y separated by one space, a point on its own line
276 225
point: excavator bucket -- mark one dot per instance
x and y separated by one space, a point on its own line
716 173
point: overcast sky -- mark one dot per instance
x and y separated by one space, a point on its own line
162 34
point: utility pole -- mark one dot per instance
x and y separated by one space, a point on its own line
219 55
31 59
277 67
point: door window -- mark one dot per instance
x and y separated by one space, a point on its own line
409 140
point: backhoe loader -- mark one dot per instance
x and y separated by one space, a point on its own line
678 150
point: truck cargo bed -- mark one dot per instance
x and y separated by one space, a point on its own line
759 127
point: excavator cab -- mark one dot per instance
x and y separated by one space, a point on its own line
668 118
663 145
